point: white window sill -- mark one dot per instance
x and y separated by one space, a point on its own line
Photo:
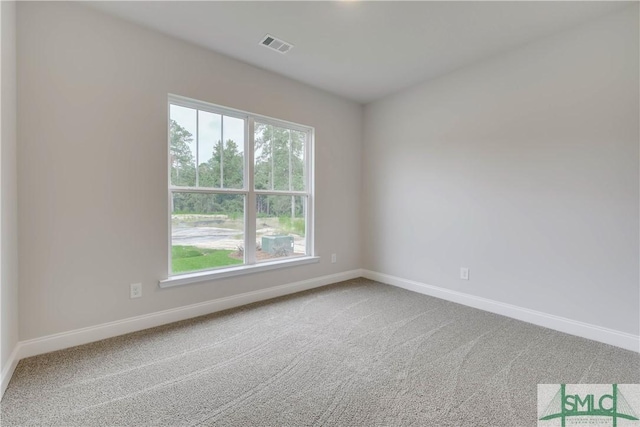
205 276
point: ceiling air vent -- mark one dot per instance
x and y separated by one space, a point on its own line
278 45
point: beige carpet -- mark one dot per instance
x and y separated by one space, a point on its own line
357 353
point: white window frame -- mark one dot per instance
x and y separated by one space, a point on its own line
249 192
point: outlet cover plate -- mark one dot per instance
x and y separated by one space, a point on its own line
135 290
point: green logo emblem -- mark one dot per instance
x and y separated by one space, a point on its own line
588 403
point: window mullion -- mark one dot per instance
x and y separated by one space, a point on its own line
281 193
250 201
273 148
221 151
197 147
308 185
293 199
208 190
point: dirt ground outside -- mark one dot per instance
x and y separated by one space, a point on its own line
223 232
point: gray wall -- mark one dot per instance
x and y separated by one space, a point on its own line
8 186
92 164
523 168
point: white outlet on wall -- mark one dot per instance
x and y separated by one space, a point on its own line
333 258
135 290
464 273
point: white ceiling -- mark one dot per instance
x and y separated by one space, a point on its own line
360 50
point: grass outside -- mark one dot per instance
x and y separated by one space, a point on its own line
192 258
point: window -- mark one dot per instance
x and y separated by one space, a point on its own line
240 190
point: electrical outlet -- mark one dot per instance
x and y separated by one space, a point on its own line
464 273
333 258
135 290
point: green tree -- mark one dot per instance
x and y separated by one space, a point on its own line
183 171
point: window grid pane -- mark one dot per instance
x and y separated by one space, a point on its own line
214 142
232 152
209 128
280 226
207 231
183 146
279 161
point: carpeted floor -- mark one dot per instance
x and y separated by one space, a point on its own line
357 353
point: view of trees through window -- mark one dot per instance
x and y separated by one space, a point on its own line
209 194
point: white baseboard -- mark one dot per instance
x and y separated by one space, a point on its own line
76 337
562 324
7 372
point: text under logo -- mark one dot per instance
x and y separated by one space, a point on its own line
577 405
